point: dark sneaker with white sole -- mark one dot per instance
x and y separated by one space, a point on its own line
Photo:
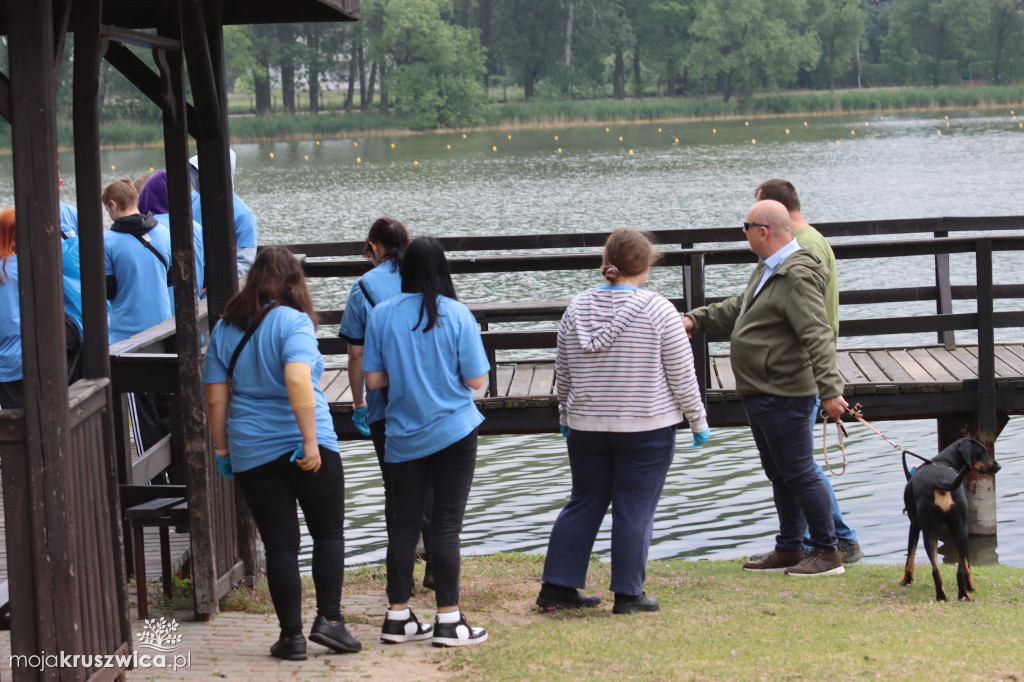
774 562
820 562
851 552
560 597
408 630
457 634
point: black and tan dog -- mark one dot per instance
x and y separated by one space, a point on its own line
935 496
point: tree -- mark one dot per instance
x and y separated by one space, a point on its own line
530 37
1006 28
747 45
839 24
435 66
938 29
664 30
263 46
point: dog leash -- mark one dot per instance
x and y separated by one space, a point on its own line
840 432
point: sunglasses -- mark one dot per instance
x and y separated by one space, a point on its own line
747 226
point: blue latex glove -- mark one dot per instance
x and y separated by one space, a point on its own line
359 419
298 454
564 430
224 467
700 438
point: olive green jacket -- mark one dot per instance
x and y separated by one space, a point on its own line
781 341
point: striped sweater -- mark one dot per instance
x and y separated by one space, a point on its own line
624 364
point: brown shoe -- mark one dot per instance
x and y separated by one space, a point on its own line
775 562
820 561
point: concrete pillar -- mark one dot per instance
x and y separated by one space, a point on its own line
980 488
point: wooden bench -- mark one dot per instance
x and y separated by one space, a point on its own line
162 513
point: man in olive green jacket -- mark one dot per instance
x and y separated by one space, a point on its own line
783 355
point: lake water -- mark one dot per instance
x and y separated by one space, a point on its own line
717 503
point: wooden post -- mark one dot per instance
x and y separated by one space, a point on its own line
944 296
695 298
45 611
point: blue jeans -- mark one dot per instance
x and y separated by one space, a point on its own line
843 531
779 427
626 470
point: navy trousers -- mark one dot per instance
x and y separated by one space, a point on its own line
786 446
626 470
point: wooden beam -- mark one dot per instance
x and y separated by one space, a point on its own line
139 39
45 608
142 77
200 66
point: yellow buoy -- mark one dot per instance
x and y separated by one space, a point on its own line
463 136
392 145
837 143
947 124
787 131
151 169
805 123
853 132
271 154
559 150
1011 112
556 138
659 130
448 146
607 130
494 149
746 123
359 159
510 137
318 143
415 163
714 131
620 138
305 158
881 118
677 140
113 168
355 144
866 124
1020 125
631 152
753 142
947 118
939 132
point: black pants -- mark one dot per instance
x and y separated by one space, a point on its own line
271 491
450 473
379 440
12 395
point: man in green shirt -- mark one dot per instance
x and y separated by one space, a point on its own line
809 238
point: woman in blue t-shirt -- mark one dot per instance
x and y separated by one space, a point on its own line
272 431
426 348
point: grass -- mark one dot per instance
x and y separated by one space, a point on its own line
719 622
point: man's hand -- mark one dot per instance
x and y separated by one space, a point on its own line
835 407
688 326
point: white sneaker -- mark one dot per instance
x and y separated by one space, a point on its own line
457 634
408 630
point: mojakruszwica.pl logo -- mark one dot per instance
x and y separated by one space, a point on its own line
159 636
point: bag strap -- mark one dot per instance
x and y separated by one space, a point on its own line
366 293
145 241
245 340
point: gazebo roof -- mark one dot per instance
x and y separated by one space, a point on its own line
142 14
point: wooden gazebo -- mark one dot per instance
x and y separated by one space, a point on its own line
65 547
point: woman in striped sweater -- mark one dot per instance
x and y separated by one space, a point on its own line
625 380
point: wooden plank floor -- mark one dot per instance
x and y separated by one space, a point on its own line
866 371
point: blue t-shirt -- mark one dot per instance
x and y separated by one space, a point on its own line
261 424
10 321
141 301
197 242
245 220
429 407
383 282
68 220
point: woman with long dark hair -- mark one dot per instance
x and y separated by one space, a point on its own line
426 348
272 431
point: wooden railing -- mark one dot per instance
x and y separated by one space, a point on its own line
700 249
95 603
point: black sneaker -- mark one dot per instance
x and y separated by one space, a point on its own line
408 630
851 552
630 603
334 636
559 597
289 649
457 634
